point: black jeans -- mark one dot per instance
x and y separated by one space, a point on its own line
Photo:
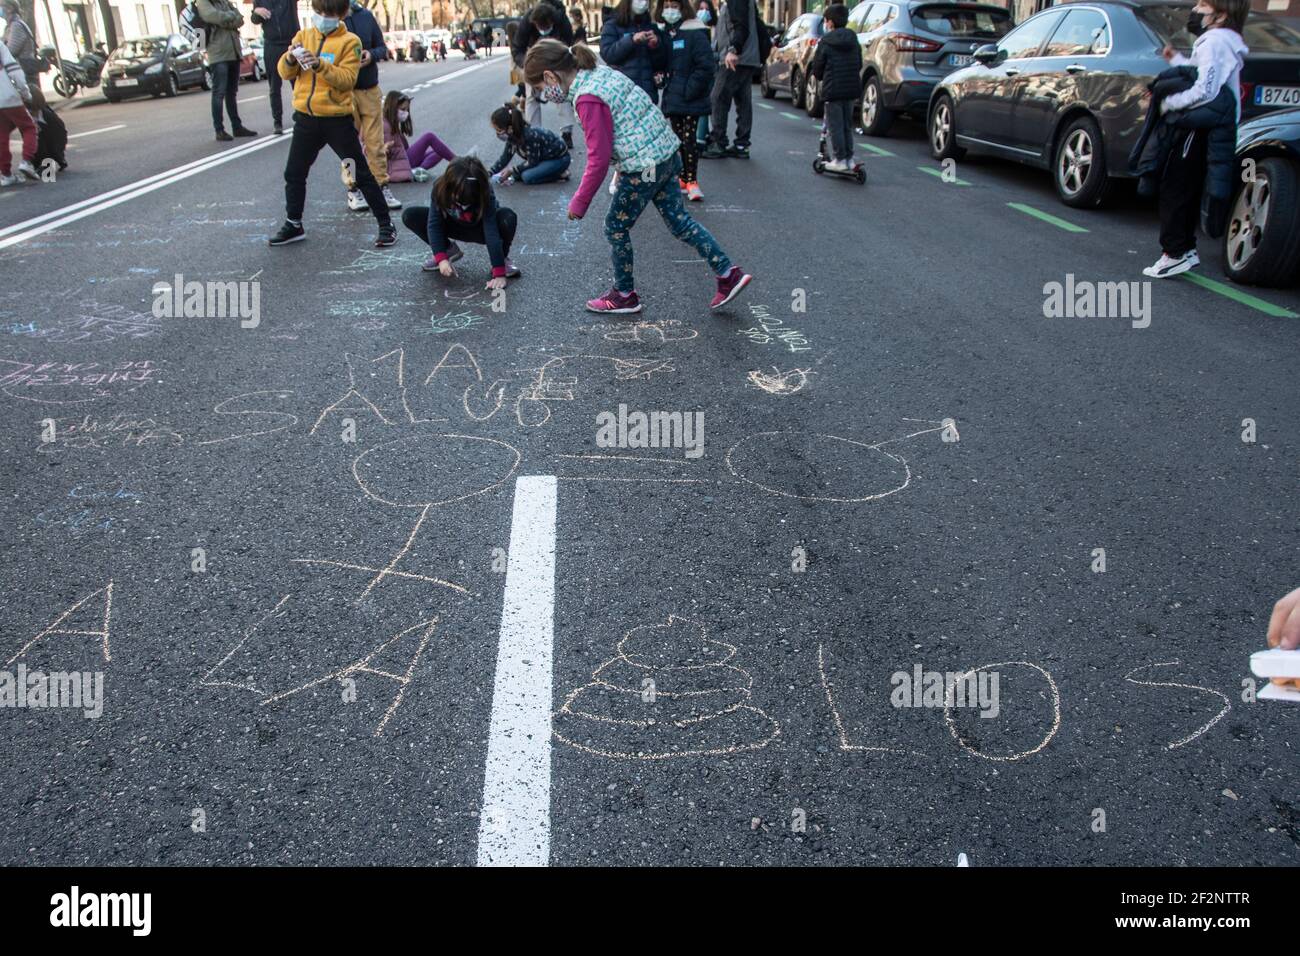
416 219
1181 185
225 86
732 86
311 134
274 52
839 122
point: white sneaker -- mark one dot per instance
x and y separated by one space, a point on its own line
8 180
28 171
839 165
393 201
356 201
1167 266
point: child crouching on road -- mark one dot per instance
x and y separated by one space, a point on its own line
622 125
465 208
545 157
322 64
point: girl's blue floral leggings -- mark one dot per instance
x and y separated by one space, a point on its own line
635 192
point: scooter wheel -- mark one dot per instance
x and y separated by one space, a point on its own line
860 175
819 167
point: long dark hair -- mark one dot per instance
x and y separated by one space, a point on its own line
463 183
508 118
393 101
624 15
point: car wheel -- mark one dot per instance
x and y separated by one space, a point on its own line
812 101
796 88
1262 243
765 86
1079 168
206 82
943 130
172 87
876 120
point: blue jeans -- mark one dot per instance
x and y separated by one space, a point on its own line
547 171
225 88
636 192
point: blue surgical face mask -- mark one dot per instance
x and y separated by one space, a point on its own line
544 33
325 24
705 16
502 135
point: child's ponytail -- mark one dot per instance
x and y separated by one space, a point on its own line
509 118
554 56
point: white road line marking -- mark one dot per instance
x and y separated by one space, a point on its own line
515 819
122 194
73 207
463 71
92 132
251 99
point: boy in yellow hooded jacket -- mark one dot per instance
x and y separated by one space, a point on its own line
322 63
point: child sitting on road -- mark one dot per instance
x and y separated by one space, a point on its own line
838 68
324 59
545 157
405 157
465 208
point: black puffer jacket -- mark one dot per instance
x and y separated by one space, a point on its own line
838 65
526 34
1163 133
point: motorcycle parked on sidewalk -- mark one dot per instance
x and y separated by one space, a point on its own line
83 73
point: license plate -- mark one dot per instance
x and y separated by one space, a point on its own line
128 81
1277 96
960 59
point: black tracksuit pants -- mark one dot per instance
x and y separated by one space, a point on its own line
1181 185
311 134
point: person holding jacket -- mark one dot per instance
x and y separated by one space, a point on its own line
632 44
368 106
223 55
837 64
279 22
691 66
1217 56
546 20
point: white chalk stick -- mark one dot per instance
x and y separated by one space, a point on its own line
1275 663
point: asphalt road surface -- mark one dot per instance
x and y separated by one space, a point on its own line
364 587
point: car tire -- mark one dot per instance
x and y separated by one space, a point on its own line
765 87
796 89
1079 165
206 82
872 115
812 101
941 130
1261 245
173 85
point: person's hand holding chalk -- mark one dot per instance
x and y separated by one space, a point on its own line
1284 625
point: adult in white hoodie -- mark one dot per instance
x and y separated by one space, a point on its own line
1217 56
14 99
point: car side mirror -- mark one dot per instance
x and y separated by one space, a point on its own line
989 54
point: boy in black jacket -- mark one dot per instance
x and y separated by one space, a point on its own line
838 66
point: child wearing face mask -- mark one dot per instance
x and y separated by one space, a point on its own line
691 67
1201 163
404 157
545 157
707 14
632 44
622 126
322 64
464 207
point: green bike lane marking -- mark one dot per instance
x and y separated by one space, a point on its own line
1245 298
938 174
1046 217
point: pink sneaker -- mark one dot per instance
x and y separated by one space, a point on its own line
729 286
693 193
615 301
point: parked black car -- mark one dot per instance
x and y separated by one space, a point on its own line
907 47
1262 243
1067 89
787 65
158 65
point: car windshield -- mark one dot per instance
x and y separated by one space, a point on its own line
139 49
963 21
1263 34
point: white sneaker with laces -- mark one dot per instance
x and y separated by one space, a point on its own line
356 201
392 201
28 171
1168 266
8 180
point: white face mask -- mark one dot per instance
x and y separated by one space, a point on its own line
640 6
672 15
403 115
